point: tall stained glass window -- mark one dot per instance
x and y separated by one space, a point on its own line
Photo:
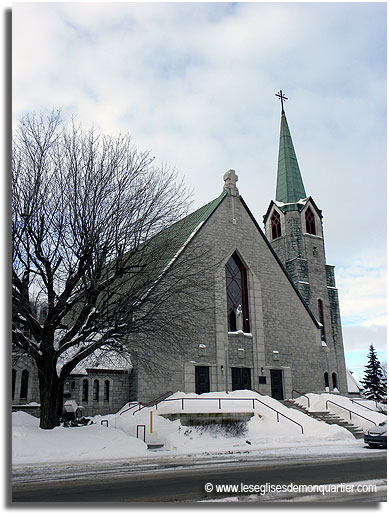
237 295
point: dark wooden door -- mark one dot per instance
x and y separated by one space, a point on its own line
202 379
241 378
277 390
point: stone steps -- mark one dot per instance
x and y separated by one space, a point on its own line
328 418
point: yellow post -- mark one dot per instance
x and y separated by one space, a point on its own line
151 422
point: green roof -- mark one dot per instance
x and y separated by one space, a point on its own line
178 235
290 187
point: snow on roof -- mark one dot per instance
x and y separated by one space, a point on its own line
104 359
352 384
281 204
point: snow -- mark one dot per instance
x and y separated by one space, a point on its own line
116 438
361 416
30 444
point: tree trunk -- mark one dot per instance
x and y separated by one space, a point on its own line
50 389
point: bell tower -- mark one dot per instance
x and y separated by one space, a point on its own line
294 228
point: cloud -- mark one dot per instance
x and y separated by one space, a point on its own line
195 83
362 292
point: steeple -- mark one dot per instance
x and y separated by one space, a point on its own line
290 187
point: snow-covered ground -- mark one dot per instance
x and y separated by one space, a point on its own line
364 413
262 434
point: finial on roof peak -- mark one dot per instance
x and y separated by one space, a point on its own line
230 180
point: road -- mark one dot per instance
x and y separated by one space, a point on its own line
185 485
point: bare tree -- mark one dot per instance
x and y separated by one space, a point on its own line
92 236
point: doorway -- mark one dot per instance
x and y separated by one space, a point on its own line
241 378
277 389
202 380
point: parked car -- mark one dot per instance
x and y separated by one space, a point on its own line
376 436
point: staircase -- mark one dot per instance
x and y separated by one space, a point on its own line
328 418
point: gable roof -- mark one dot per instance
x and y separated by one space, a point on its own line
292 206
183 231
175 238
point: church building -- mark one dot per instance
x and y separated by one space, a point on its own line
273 322
276 323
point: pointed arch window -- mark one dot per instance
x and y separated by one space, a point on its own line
106 390
275 225
85 390
326 380
13 382
24 385
237 295
95 390
310 221
334 380
321 319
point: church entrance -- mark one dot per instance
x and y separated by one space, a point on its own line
202 380
241 378
277 390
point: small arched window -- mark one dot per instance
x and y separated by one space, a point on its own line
321 319
326 380
310 221
106 390
275 225
237 294
85 390
13 382
95 390
334 380
24 385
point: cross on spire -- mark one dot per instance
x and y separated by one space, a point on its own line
281 97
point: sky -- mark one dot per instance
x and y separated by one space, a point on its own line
195 84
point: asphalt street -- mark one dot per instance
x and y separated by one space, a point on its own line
189 485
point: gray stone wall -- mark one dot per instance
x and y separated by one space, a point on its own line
279 321
315 281
119 391
25 363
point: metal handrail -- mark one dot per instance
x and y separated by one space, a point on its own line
306 396
130 407
359 404
219 399
349 410
151 403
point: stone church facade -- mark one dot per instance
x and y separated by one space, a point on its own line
275 324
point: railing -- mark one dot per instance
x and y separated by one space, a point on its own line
349 410
141 426
151 403
131 405
366 407
219 399
303 394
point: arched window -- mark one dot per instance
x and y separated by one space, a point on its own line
95 390
326 380
24 385
321 319
237 295
334 380
13 382
275 225
106 390
310 221
85 390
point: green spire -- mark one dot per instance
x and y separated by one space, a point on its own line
290 187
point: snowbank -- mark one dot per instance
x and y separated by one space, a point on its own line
118 441
361 416
30 444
